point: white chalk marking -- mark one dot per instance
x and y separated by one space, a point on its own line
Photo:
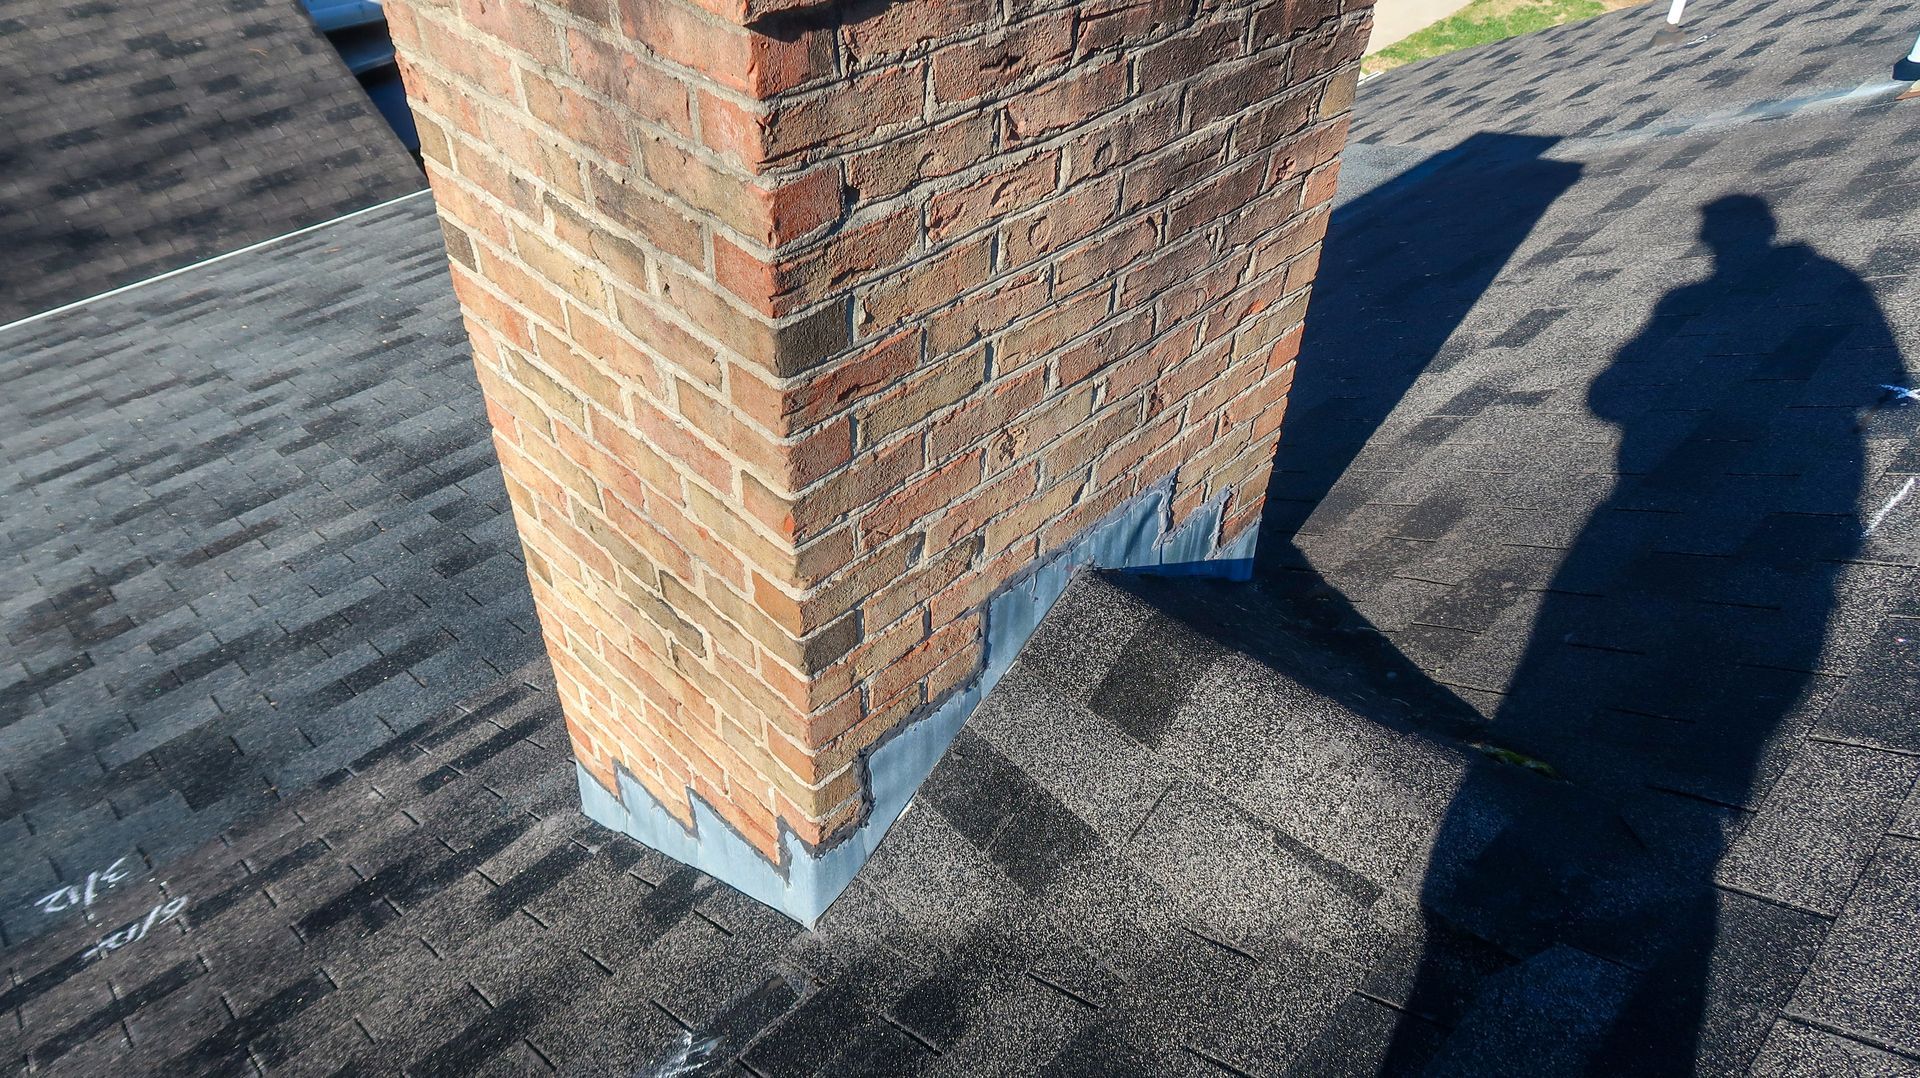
82 895
1898 497
136 931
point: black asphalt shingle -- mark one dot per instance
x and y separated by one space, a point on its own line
145 136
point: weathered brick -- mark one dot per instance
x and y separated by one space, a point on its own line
1090 510
1024 522
970 424
1079 95
846 113
1113 143
830 392
986 313
1283 117
1216 198
893 601
801 336
1224 91
1062 222
897 29
786 284
893 515
1105 24
755 64
1282 19
826 602
820 507
646 215
1177 169
1058 324
922 286
1110 345
1204 289
1040 429
782 348
1103 257
922 660
1175 59
931 153
918 398
960 211
990 64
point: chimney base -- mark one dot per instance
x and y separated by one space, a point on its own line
1135 538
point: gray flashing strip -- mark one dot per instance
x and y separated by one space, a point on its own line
1135 537
203 263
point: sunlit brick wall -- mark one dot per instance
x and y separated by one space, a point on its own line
802 331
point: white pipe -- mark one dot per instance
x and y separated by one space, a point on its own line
1912 57
1678 6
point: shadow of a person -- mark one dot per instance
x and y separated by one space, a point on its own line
1672 648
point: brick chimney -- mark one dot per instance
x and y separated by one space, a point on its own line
821 342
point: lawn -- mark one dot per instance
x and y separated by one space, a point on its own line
1483 21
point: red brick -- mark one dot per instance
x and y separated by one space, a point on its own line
846 112
992 197
927 154
1102 258
909 404
1060 323
970 425
982 315
990 64
793 282
1178 58
1170 266
680 349
1223 194
908 27
892 515
1058 224
833 391
913 291
1105 24
1105 348
1287 114
1178 169
1079 95
755 64
784 349
1114 143
968 515
646 215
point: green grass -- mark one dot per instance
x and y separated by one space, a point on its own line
1483 21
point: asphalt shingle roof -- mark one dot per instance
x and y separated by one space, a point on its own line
145 135
256 534
1570 729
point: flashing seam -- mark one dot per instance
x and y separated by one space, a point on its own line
806 881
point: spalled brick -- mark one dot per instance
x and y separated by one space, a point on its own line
987 66
1078 95
960 211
